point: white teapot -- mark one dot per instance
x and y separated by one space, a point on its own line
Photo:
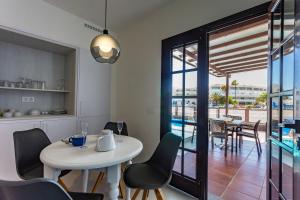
106 141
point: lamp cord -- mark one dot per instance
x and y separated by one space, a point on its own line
105 14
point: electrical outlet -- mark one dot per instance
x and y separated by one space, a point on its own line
28 99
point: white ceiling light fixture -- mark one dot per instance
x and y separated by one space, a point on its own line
105 48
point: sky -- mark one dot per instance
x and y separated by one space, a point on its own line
256 78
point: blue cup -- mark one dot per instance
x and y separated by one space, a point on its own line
77 140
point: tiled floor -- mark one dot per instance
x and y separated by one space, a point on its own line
73 181
240 176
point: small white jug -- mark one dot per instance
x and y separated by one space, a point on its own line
106 142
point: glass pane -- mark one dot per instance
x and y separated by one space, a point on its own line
287 108
190 134
275 164
189 164
177 164
177 82
176 128
274 193
275 117
276 27
287 174
191 56
289 19
177 59
190 110
287 117
275 72
176 110
288 66
191 83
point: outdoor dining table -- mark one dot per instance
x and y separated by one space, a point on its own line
60 156
234 124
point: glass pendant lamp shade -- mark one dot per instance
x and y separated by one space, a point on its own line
105 48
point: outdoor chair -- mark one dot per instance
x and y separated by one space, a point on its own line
253 134
40 188
219 129
28 146
157 171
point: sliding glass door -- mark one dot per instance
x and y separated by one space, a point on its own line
284 115
184 107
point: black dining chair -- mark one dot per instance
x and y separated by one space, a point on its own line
114 127
28 146
157 171
37 189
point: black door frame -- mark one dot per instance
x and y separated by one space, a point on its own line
202 109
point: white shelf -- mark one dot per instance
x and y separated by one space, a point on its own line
30 117
32 89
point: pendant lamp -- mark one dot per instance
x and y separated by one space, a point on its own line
105 48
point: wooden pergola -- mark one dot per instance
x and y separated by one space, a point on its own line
239 48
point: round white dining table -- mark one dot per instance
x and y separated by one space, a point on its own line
60 156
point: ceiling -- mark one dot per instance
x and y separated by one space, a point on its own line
120 12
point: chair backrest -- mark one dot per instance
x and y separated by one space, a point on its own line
256 126
165 154
217 126
32 189
113 126
28 146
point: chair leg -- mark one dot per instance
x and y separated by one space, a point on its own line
122 189
232 143
212 142
236 143
99 180
159 194
136 193
259 145
145 194
226 140
257 148
240 141
62 184
193 135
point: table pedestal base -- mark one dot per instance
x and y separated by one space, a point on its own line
113 179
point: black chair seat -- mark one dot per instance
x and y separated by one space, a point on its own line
144 176
85 196
38 172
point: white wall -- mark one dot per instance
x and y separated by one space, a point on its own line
136 77
42 19
38 18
